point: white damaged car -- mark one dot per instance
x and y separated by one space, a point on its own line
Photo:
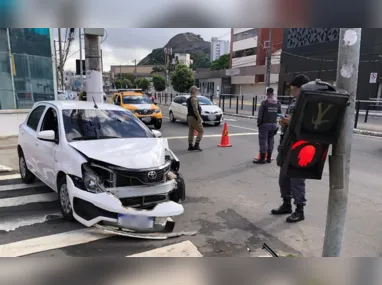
108 168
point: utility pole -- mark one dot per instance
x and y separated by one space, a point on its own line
269 61
61 59
57 65
94 83
81 71
339 161
167 53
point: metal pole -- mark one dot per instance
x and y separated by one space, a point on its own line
135 69
269 61
11 62
61 59
81 71
339 161
54 62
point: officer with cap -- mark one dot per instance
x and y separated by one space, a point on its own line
267 124
194 119
292 187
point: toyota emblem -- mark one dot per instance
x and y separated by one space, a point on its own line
145 111
152 175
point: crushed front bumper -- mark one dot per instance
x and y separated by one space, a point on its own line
107 209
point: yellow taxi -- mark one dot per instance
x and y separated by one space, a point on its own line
140 105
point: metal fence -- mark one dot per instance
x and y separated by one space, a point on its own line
24 80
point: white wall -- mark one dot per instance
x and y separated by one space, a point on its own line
13 118
253 89
244 61
247 79
244 44
241 30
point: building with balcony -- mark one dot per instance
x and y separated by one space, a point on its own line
218 48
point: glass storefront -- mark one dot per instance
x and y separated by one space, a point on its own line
26 70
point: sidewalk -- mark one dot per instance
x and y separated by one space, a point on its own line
8 153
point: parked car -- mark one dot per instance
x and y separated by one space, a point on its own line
140 105
211 113
108 168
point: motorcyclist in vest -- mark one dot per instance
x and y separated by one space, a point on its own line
292 187
194 119
267 124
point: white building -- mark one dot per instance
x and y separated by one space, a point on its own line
244 47
182 58
218 48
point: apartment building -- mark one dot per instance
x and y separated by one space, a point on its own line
182 58
218 48
248 59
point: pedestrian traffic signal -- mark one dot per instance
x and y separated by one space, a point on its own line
314 126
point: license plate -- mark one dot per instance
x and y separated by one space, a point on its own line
211 117
146 120
135 222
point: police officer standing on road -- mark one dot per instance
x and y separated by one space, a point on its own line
292 187
194 119
267 124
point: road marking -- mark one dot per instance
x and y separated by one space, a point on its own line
17 222
20 186
28 199
10 176
215 136
182 249
4 168
41 244
244 128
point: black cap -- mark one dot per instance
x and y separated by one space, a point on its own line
270 90
299 80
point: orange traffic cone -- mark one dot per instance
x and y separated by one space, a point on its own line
225 138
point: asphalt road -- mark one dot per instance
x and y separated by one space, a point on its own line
228 205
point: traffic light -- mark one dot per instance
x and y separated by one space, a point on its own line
314 126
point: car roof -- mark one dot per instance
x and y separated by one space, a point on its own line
70 104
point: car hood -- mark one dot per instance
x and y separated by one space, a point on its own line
210 108
133 153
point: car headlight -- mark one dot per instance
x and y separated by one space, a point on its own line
157 111
175 164
91 181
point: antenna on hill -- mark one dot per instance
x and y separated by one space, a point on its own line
95 104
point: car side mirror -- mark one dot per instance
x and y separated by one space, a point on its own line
49 136
157 134
184 104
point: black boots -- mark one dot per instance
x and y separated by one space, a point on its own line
269 157
297 216
261 160
286 208
195 147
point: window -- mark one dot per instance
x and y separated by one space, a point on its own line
204 101
94 124
34 117
244 52
245 35
117 100
184 100
178 100
50 122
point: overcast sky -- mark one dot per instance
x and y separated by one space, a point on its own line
122 46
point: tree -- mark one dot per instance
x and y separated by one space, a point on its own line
182 79
142 83
221 63
200 60
158 69
159 83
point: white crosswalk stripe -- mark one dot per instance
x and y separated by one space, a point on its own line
31 223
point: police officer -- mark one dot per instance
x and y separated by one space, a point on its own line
267 124
194 119
292 187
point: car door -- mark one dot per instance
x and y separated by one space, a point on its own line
183 109
175 107
46 150
28 138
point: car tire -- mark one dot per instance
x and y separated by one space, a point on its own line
64 199
179 194
157 126
26 176
172 118
218 123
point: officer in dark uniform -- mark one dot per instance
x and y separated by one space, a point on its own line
267 124
292 187
194 119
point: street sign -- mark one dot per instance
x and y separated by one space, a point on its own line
373 77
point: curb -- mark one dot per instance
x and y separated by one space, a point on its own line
240 116
9 146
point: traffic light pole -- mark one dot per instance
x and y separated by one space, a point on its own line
339 161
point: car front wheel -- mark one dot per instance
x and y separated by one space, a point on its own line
26 176
172 118
64 199
157 126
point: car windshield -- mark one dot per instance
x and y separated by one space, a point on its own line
93 124
136 100
204 101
